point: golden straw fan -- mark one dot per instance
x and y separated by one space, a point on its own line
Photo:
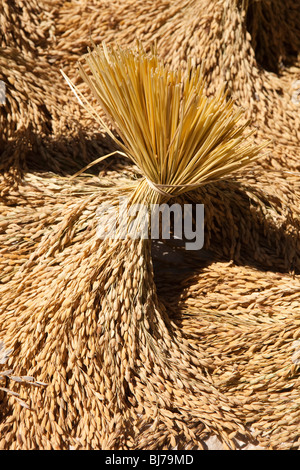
178 138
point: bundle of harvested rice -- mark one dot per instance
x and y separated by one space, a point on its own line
236 321
82 314
178 138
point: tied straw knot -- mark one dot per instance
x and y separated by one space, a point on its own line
159 188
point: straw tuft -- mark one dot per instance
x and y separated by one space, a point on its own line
178 138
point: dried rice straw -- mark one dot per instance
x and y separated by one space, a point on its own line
227 321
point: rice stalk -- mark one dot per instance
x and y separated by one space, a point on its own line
178 138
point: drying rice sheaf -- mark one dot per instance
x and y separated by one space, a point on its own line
109 348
